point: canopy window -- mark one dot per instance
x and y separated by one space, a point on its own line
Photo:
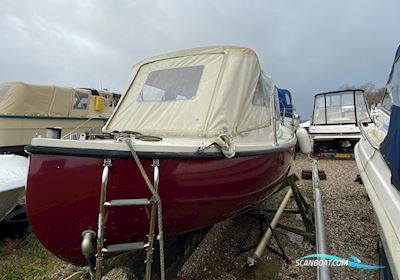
342 107
361 107
392 94
319 110
262 94
172 84
81 100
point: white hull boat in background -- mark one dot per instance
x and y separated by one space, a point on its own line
13 171
378 160
334 125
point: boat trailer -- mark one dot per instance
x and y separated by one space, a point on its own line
313 221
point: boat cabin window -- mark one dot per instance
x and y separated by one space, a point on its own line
172 84
261 95
3 92
340 108
345 107
392 94
319 110
387 101
361 107
81 100
287 98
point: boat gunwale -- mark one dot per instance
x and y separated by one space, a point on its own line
102 153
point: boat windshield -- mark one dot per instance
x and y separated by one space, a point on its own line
342 107
392 94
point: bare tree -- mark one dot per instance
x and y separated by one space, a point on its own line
373 94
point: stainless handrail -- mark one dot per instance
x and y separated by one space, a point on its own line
274 119
366 136
283 112
100 227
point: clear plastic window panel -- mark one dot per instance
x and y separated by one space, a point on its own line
3 92
361 107
319 110
394 84
172 84
387 100
81 100
262 94
287 97
340 108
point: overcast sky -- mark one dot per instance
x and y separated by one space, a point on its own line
306 46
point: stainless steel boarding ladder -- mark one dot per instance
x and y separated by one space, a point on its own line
123 247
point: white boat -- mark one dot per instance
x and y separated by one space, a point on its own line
334 125
378 160
13 171
26 111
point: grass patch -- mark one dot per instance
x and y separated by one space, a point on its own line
33 247
28 259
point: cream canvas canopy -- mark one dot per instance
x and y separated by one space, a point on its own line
203 92
22 99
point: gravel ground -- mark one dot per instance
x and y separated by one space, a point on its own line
350 229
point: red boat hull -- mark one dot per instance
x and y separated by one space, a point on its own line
63 192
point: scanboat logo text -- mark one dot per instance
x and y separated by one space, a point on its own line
329 260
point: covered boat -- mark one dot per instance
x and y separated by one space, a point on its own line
203 122
26 110
378 160
334 125
13 171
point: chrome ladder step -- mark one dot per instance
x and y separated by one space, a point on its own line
113 248
128 202
155 217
